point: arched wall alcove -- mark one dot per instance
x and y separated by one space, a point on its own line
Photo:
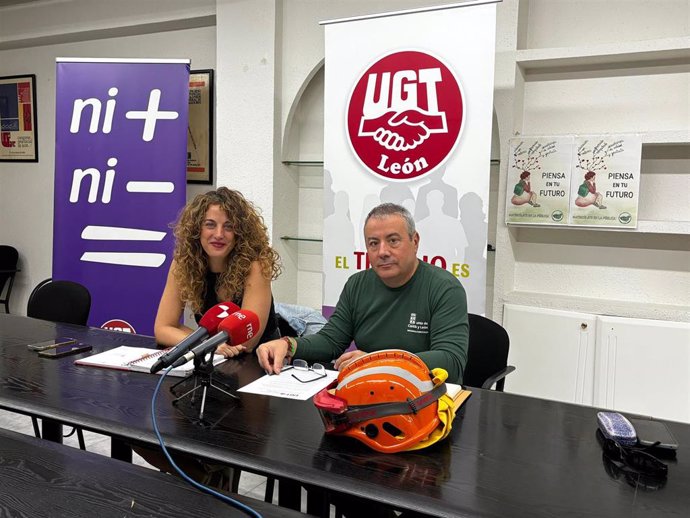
303 135
298 197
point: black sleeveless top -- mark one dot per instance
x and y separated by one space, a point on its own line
211 299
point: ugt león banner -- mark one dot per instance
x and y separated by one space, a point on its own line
408 119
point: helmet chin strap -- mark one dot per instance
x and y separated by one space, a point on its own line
357 414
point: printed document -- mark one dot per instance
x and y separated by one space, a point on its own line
287 386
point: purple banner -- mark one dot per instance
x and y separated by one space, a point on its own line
120 180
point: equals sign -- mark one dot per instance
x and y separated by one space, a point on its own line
102 233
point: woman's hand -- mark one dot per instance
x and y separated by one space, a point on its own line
230 351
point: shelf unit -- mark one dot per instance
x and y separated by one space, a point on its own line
306 239
298 237
643 227
309 164
631 79
609 55
660 139
304 163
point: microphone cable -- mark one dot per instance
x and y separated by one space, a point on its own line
235 503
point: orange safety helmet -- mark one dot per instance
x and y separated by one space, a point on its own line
388 400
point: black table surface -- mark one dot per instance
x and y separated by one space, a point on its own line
508 455
41 478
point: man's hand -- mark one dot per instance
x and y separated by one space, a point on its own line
271 355
347 358
230 351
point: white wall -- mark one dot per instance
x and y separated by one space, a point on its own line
26 189
567 23
245 109
46 22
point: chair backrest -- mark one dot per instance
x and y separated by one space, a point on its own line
60 301
487 353
9 257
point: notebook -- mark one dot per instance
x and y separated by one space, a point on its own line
459 394
139 359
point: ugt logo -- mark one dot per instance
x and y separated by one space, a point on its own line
405 115
116 324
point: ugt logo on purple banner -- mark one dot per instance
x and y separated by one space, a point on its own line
120 159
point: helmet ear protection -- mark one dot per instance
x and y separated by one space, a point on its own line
388 400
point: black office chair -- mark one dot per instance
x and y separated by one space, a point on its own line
8 269
487 361
60 301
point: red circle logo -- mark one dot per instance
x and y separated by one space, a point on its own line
405 115
118 325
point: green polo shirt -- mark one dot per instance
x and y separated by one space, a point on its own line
426 316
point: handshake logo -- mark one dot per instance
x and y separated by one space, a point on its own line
401 131
405 115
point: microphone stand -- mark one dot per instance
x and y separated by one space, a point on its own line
203 380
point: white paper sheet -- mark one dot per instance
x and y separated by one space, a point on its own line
285 385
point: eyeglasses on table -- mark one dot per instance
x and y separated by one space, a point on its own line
301 366
618 470
635 458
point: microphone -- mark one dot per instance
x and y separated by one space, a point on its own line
239 327
208 325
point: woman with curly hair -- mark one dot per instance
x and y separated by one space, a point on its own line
221 254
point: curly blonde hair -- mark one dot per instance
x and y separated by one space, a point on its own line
251 244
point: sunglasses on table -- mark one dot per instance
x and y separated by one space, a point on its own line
634 478
635 458
302 367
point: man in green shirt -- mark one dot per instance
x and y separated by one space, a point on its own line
400 303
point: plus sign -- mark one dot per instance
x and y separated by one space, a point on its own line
151 115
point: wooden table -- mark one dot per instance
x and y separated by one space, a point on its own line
508 455
40 478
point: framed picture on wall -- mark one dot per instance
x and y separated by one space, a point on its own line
18 134
200 128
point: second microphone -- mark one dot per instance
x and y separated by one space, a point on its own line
236 329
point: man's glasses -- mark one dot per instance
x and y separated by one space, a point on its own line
303 367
